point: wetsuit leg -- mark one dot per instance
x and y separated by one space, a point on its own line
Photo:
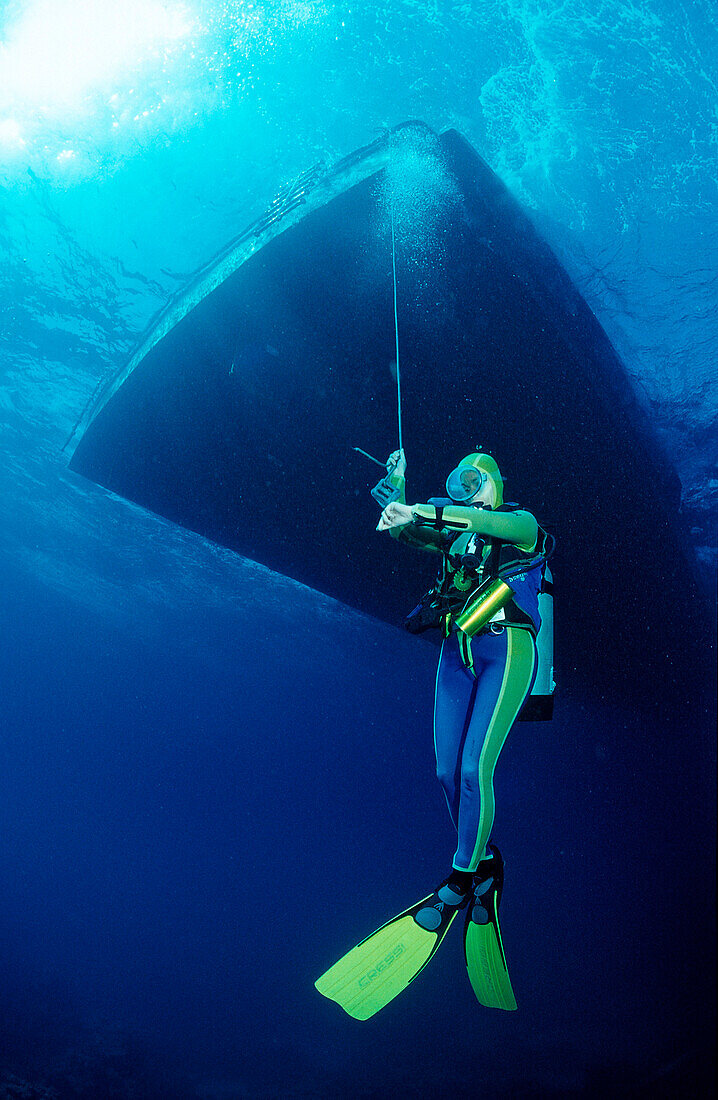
453 705
505 665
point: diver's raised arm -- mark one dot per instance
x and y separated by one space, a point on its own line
396 464
518 527
397 520
395 515
396 476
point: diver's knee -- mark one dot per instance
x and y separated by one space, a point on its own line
469 782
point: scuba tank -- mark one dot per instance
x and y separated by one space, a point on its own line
539 705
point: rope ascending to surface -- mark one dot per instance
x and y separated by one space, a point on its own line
396 326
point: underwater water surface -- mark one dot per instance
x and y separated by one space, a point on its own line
215 779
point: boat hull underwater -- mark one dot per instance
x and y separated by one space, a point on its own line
238 413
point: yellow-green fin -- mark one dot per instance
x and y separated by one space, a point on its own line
486 965
375 971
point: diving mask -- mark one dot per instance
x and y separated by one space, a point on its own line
464 483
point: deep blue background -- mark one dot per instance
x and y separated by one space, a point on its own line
200 816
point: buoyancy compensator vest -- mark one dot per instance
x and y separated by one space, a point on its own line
486 583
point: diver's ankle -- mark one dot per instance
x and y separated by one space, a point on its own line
461 880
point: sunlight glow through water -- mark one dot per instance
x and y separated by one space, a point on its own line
80 80
58 53
67 68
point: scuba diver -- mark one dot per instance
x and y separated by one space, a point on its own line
486 604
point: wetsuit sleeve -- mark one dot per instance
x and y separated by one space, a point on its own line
411 534
518 527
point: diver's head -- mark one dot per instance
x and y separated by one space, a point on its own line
476 480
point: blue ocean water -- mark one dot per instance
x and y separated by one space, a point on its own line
215 780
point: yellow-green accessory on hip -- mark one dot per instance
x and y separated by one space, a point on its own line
489 599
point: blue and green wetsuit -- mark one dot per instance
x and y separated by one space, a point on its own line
477 701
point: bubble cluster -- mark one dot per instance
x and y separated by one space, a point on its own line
418 193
